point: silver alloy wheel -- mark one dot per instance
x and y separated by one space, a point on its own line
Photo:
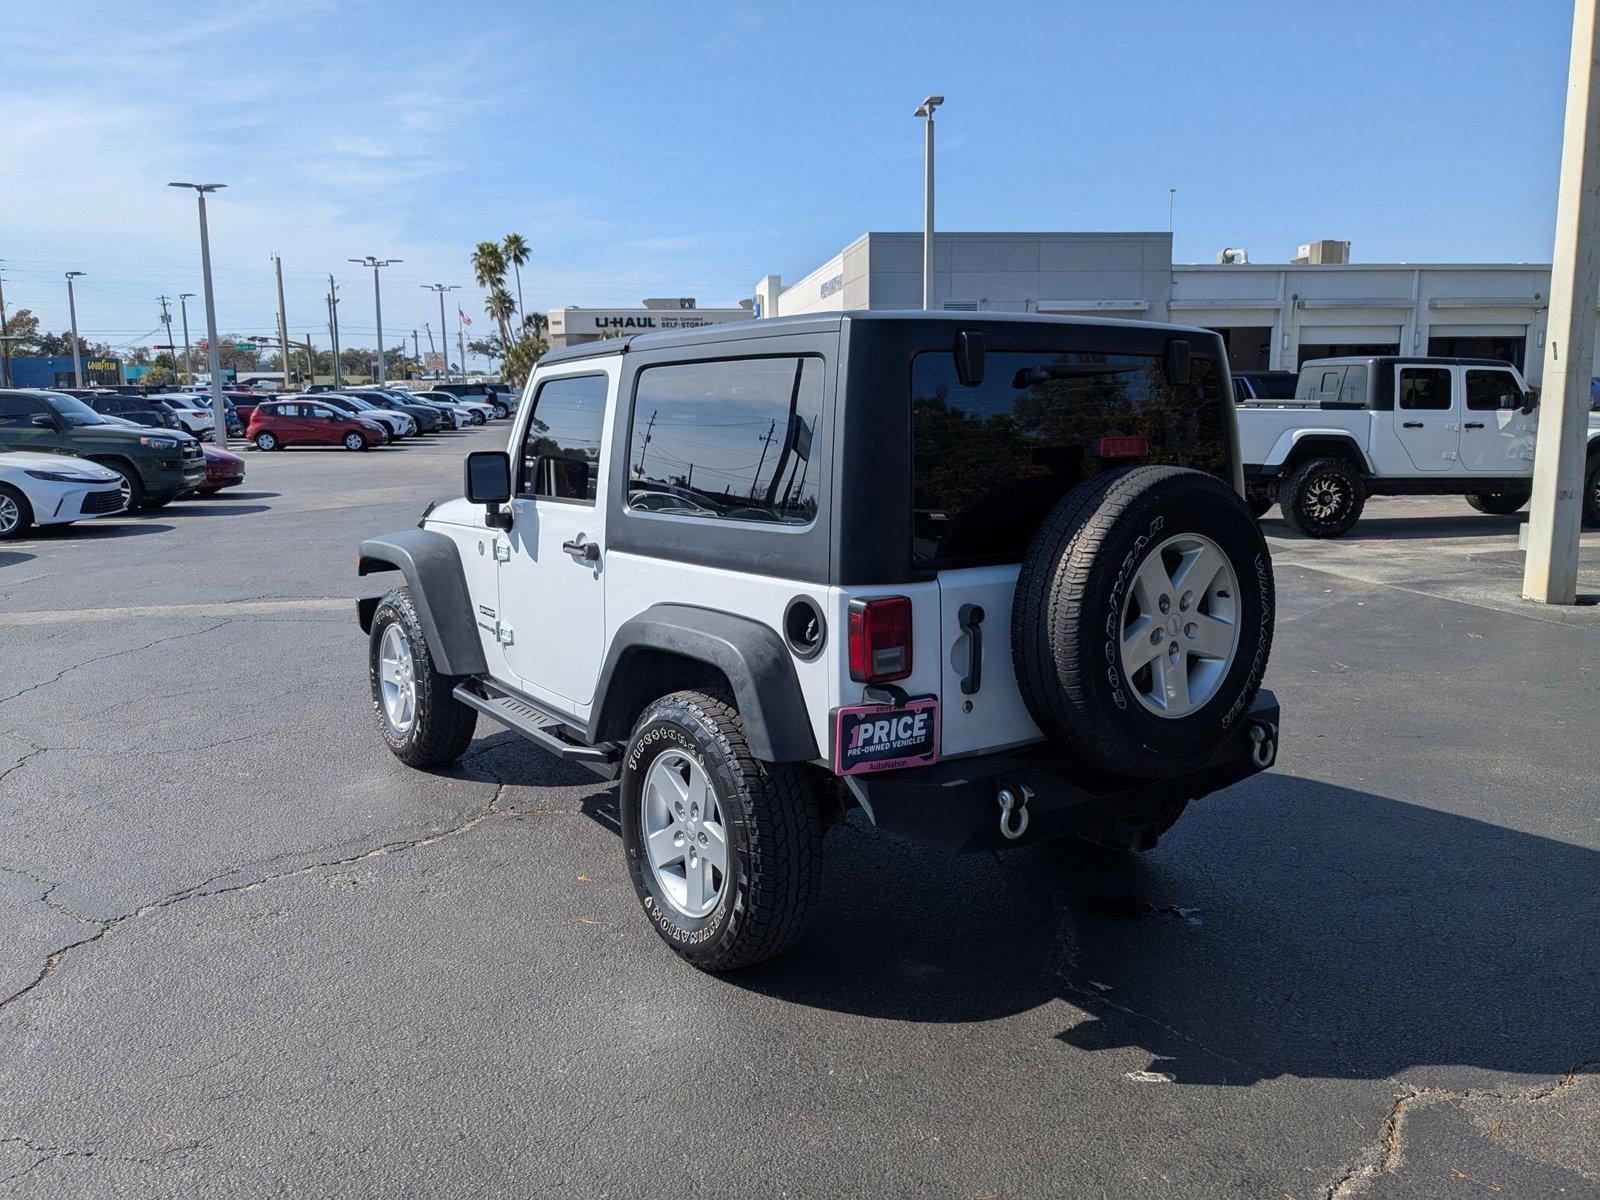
685 840
125 486
1326 497
266 441
397 679
1180 625
352 441
10 515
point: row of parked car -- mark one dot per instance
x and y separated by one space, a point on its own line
74 454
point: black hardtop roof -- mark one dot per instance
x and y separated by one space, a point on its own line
736 331
1406 360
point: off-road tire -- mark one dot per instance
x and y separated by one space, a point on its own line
1066 619
1338 477
772 815
443 727
24 518
1498 504
1591 492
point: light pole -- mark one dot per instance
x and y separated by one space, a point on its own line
5 342
183 307
219 410
926 112
283 324
442 288
377 298
77 351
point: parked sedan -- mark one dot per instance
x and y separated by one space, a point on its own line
307 421
51 489
398 424
428 418
224 469
477 411
193 413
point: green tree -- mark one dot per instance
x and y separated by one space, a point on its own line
489 265
516 252
521 358
159 376
501 307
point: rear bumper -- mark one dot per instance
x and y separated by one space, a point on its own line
954 805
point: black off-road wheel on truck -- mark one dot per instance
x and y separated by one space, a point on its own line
1143 621
725 851
418 713
1498 504
1323 497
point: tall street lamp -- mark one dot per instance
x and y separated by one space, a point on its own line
442 289
77 351
377 298
183 307
219 410
926 112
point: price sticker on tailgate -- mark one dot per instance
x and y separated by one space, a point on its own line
884 737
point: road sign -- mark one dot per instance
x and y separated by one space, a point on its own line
246 347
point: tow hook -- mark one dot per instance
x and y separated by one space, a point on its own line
1013 810
1263 744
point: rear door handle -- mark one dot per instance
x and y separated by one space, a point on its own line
970 618
588 551
1411 425
1474 424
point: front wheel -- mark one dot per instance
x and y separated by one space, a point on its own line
725 852
16 514
1324 497
266 441
418 713
133 493
478 418
355 441
1498 504
501 412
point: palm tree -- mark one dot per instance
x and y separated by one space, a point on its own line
502 308
515 250
489 265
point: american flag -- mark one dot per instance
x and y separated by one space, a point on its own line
465 320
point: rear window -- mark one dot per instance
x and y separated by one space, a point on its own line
989 462
1275 385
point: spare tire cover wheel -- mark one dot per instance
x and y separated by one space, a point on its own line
1143 620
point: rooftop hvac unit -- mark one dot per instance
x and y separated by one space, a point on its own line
1324 252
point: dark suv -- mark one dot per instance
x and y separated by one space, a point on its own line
989 579
156 465
142 410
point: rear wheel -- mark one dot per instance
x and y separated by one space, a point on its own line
16 514
355 441
418 713
1323 497
725 852
1143 620
1498 504
501 412
133 493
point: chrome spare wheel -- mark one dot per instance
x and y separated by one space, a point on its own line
684 837
397 679
1180 625
10 515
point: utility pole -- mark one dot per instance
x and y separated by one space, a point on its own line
5 344
645 447
183 307
926 111
461 341
443 335
377 299
283 318
1550 574
1172 199
77 349
416 350
166 319
219 410
766 444
333 326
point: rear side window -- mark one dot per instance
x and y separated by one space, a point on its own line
732 440
989 462
1353 392
561 448
1424 388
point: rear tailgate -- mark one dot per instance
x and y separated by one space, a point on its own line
982 712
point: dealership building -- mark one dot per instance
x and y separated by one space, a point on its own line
1271 315
572 326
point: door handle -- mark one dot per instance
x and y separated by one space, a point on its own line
1474 424
588 551
970 618
1411 425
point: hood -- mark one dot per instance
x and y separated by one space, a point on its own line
28 459
216 454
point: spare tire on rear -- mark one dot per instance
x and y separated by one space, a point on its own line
1142 620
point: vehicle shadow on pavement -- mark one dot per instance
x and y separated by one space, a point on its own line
122 525
1288 927
233 496
10 558
212 508
1371 529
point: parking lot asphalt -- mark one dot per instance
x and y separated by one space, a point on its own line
249 953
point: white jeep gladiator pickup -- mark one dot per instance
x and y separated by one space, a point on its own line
1386 425
990 580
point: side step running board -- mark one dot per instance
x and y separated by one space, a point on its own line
521 715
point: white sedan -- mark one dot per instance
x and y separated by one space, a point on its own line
51 489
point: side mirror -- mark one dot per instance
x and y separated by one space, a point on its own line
46 421
488 482
969 358
1177 362
1529 403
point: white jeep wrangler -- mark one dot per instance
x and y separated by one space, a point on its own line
1387 425
990 580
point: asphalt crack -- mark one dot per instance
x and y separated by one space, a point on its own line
1387 1154
65 671
205 888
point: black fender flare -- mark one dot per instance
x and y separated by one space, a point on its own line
431 565
751 655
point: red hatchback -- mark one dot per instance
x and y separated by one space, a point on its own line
279 423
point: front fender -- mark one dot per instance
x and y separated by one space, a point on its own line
432 569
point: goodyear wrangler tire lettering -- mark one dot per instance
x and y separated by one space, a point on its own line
1121 542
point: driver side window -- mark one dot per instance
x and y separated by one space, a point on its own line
18 412
560 457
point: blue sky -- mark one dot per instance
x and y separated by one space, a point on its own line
688 149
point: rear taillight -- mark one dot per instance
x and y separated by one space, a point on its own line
880 639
